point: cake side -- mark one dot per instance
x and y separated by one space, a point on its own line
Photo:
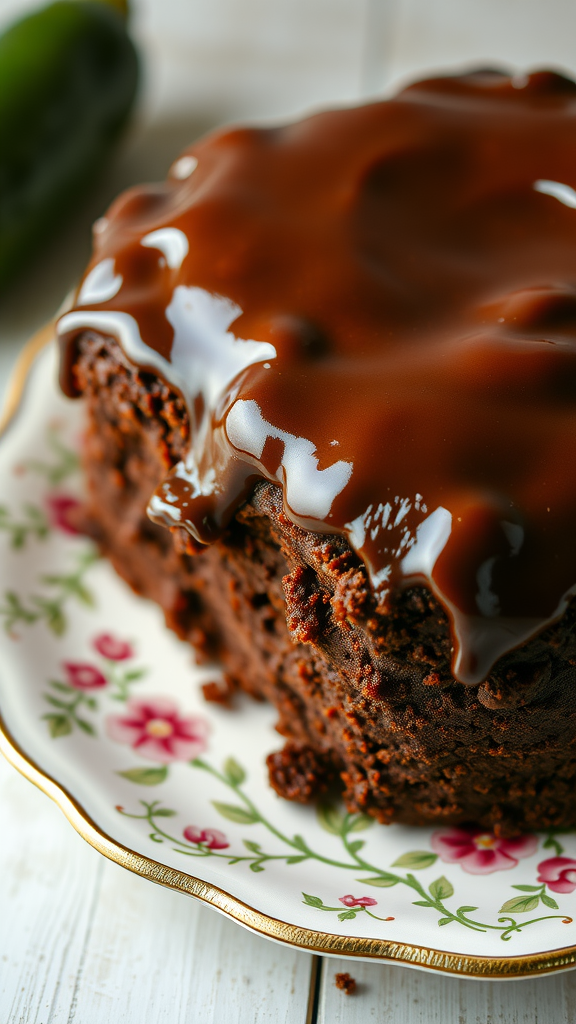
362 696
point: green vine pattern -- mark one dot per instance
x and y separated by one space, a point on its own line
65 461
67 702
33 524
552 842
343 915
345 826
50 607
121 680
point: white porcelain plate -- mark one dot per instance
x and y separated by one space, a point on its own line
102 708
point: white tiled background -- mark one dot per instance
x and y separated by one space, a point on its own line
81 941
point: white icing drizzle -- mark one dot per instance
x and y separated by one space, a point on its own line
205 356
482 638
431 538
563 193
487 602
119 325
188 471
184 167
204 361
159 507
383 523
100 284
171 242
309 491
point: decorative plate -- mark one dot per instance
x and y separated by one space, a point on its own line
102 708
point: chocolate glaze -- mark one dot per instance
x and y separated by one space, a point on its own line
375 307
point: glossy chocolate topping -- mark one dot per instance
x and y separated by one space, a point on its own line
375 307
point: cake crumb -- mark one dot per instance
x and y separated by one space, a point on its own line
218 691
346 982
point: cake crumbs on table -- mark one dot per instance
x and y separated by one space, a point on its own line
345 982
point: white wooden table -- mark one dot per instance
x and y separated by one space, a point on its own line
81 940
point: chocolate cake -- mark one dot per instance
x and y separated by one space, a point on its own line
330 376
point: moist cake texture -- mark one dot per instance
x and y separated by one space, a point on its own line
330 373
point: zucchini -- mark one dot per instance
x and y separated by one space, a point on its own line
68 78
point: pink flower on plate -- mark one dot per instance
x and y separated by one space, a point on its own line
83 676
358 901
479 852
60 507
110 647
210 837
153 728
559 873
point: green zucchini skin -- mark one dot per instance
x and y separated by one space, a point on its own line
68 78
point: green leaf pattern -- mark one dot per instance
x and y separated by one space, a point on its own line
338 823
146 776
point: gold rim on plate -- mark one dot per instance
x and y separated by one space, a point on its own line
324 943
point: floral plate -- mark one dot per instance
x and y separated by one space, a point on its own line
102 708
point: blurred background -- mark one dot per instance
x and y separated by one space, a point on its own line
206 62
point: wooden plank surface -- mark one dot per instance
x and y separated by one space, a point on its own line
48 890
400 995
156 956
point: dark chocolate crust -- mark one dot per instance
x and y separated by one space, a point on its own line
361 695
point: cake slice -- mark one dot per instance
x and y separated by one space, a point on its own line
330 373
